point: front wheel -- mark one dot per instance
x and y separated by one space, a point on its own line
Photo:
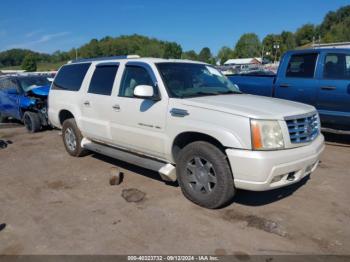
72 138
204 175
32 122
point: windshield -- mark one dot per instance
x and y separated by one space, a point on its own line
184 80
31 82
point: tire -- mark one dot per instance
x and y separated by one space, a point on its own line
204 175
32 122
72 138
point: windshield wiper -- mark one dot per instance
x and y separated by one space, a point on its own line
230 92
200 94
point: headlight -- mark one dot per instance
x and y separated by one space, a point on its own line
266 135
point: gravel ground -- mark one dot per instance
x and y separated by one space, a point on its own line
51 203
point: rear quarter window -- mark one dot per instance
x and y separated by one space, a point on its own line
70 77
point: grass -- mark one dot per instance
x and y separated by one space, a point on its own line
41 66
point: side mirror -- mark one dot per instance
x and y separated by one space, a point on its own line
144 91
12 91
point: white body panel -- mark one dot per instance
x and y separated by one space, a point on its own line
149 127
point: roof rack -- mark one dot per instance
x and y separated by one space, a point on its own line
103 58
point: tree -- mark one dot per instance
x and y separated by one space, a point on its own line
248 46
225 53
190 55
172 50
288 41
205 55
29 63
305 34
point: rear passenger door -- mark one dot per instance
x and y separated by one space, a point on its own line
334 88
138 123
296 79
97 102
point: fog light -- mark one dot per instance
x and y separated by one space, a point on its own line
291 176
277 178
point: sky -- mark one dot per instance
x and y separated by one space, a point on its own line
50 25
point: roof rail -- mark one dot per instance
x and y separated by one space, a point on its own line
103 58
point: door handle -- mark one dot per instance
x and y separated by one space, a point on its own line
86 103
284 85
328 87
116 107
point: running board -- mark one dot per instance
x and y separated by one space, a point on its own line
166 170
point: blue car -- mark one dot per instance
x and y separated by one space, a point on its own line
24 97
318 77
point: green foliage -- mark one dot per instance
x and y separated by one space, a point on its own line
248 46
190 55
305 34
225 53
15 57
29 63
206 56
172 50
336 26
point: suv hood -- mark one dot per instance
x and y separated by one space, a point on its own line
41 90
251 106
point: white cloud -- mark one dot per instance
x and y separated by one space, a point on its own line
33 33
40 40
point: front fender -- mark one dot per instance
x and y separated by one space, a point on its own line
230 130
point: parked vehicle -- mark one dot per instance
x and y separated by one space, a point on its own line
188 122
24 97
318 77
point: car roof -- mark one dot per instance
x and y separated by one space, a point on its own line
313 50
133 59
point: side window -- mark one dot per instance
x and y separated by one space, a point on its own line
103 79
70 77
132 77
302 65
1 84
337 66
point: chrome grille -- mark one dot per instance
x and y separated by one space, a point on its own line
303 129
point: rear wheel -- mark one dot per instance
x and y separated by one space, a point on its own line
204 175
32 122
72 138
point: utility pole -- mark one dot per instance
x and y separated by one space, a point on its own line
276 46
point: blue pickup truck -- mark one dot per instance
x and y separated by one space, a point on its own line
319 77
24 97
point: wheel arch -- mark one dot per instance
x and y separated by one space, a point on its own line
65 114
185 138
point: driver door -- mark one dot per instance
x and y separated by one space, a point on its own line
139 123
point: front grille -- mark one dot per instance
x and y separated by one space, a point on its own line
303 129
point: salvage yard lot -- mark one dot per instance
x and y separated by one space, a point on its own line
52 203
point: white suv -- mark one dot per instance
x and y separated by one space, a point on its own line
187 121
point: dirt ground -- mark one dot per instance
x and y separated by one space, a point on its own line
51 203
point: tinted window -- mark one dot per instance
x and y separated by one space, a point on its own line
337 66
70 77
30 82
102 80
132 77
190 80
302 65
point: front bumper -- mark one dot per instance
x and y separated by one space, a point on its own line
265 170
